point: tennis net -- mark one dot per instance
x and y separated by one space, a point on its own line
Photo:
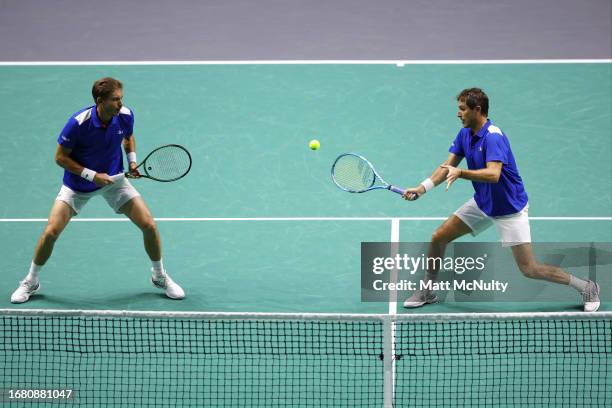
117 358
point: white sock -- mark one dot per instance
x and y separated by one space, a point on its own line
33 272
578 284
158 267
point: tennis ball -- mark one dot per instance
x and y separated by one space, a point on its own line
314 144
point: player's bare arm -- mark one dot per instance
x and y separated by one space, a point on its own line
437 177
129 146
63 159
490 174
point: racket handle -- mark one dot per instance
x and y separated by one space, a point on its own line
397 190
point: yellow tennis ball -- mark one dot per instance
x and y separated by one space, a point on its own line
314 144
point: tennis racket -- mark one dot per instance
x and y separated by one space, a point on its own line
166 163
355 174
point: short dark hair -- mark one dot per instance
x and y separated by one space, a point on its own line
104 87
474 97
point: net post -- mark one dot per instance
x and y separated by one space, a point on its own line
388 360
389 323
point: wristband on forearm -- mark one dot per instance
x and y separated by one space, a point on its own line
428 184
131 156
88 174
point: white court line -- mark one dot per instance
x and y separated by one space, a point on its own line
311 62
395 239
181 219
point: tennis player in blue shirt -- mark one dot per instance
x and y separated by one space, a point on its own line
89 150
499 199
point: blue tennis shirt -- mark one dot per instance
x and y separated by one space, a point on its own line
95 146
508 195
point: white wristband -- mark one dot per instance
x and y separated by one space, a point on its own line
131 156
88 174
428 184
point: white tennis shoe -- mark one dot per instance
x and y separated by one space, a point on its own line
173 290
420 298
25 290
590 297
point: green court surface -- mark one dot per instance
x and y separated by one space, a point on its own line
258 226
248 127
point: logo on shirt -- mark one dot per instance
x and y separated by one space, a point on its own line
120 132
480 149
65 138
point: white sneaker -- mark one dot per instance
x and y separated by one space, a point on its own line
590 297
173 290
420 297
24 291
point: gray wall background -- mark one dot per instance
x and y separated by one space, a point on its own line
71 30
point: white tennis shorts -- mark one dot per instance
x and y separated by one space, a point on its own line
116 194
513 229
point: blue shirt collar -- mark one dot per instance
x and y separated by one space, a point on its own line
96 121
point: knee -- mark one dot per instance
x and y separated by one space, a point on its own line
149 226
51 233
439 237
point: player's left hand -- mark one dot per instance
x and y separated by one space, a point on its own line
133 173
453 174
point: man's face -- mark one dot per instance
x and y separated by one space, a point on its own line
467 116
112 105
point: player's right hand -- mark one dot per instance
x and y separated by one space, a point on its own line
102 179
133 173
412 194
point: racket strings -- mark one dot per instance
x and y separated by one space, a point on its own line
168 163
353 173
